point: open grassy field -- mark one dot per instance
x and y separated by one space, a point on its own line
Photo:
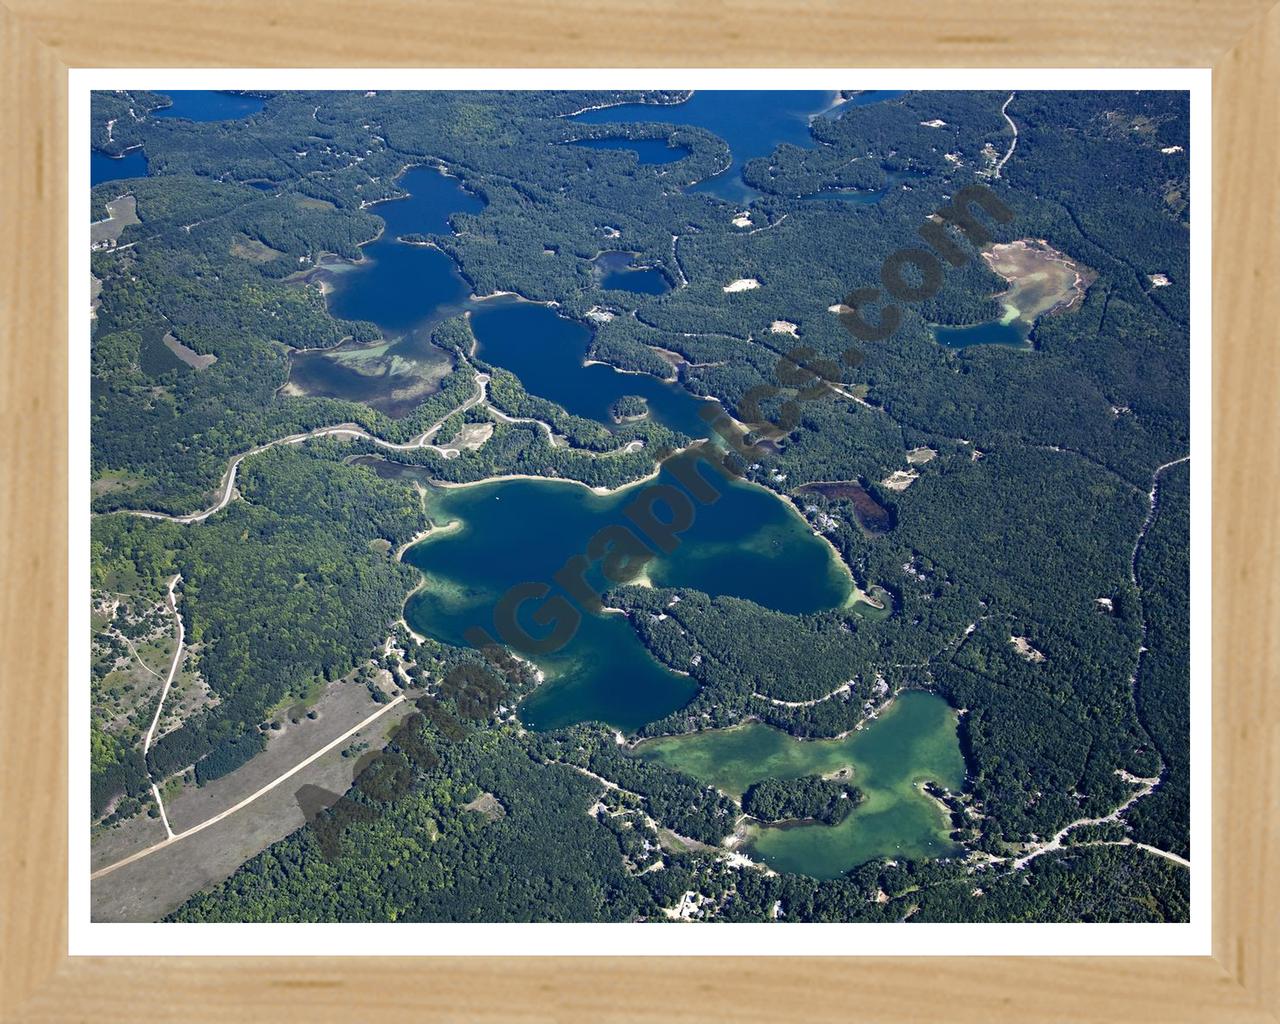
121 213
151 887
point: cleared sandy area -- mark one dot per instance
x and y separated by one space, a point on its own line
742 284
472 436
1023 646
900 479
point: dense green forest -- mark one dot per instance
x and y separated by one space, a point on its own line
1006 561
1164 673
811 797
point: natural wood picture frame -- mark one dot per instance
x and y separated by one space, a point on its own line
41 39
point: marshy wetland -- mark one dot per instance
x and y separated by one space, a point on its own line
912 742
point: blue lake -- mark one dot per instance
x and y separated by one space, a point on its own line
104 168
208 105
407 289
754 122
397 285
747 544
546 351
404 289
1013 335
616 270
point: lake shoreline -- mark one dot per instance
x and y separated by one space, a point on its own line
898 816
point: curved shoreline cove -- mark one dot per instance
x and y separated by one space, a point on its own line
404 289
548 352
132 164
914 740
754 122
618 270
747 544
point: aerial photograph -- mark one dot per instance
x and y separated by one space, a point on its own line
643 506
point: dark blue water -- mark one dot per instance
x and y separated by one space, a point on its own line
208 105
399 286
546 351
615 270
754 122
649 151
992 333
404 289
746 544
104 168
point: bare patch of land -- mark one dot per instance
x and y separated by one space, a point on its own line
109 481
900 479
920 456
189 356
1023 646
311 203
487 805
471 436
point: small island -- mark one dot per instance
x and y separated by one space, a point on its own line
629 408
811 798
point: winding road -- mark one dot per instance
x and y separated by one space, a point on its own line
1153 501
228 484
1147 785
1014 144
